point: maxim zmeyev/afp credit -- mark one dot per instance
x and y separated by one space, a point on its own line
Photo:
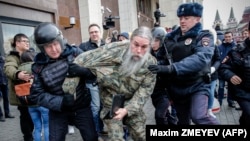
218 132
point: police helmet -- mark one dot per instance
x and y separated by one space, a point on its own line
46 33
159 33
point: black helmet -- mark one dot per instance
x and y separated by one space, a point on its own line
46 33
159 33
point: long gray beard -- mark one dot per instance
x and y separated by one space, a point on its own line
130 65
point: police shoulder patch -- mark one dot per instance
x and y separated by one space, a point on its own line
205 41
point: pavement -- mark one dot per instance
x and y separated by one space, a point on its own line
10 129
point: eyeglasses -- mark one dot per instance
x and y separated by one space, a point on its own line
25 41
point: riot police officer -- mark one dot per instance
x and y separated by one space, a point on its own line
50 68
159 96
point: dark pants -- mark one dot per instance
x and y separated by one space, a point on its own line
194 108
161 103
4 91
221 93
245 116
26 123
82 119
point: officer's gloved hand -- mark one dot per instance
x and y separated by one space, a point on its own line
161 69
78 71
67 102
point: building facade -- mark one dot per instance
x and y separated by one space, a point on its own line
22 16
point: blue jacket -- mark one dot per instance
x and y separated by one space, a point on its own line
224 48
192 54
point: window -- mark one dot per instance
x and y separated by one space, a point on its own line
10 30
9 27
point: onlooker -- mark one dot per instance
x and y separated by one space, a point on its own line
4 93
245 33
227 45
123 36
236 70
121 68
19 44
50 68
94 42
191 50
114 37
39 114
160 97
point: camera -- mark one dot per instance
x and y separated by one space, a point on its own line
109 23
158 14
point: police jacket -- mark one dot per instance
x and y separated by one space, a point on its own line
161 79
161 58
49 75
238 63
89 45
191 56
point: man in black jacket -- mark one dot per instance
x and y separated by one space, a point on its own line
51 67
236 71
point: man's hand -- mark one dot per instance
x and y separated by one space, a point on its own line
120 113
167 69
236 80
23 75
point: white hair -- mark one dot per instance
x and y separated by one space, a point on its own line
130 65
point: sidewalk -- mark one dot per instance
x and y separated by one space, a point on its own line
10 129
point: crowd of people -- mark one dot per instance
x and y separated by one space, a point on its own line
76 85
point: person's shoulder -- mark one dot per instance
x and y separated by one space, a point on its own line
151 60
239 47
205 32
205 35
12 56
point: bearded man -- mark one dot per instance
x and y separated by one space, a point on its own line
121 68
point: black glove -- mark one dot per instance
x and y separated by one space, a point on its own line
75 70
67 102
161 69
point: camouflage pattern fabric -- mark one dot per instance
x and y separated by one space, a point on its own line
104 63
135 124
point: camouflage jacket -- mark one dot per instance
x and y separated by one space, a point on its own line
104 63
